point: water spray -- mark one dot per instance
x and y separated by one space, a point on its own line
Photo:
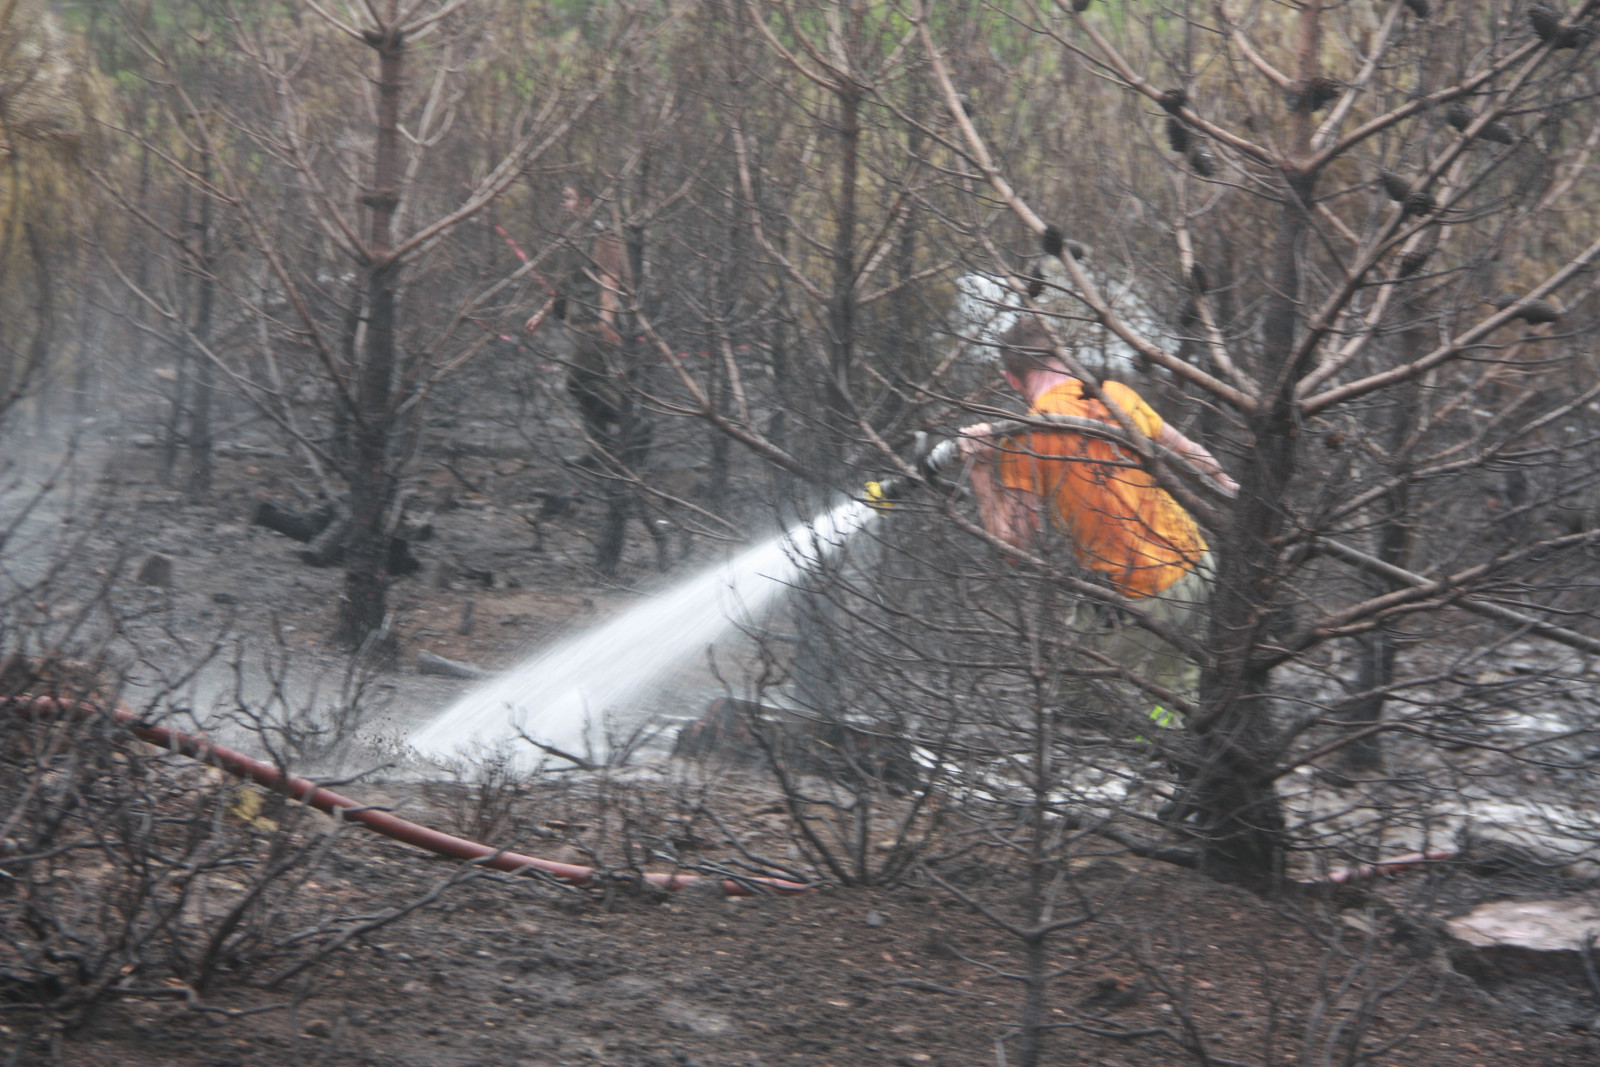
557 699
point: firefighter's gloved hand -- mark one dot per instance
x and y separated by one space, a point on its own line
932 456
977 440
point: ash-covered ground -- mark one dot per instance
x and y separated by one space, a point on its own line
506 971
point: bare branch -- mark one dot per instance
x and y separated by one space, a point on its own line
333 20
1452 348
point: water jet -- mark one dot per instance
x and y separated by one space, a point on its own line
558 697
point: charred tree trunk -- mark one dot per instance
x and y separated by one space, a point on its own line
1378 649
721 450
178 393
342 447
777 428
200 442
1376 668
727 295
132 334
623 497
1245 831
177 406
1041 887
618 494
905 341
371 477
842 297
1233 787
44 332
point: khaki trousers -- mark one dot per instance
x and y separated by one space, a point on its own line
1181 607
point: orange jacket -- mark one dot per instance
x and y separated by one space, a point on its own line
1120 522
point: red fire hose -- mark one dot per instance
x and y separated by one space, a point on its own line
340 807
308 792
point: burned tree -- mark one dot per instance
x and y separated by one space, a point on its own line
351 229
1348 357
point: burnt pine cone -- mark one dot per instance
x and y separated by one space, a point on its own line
1202 160
1499 133
1395 186
1420 9
1173 100
1315 95
1546 23
1420 202
1545 20
1053 243
1459 115
1536 313
1080 6
1177 135
1050 240
1412 262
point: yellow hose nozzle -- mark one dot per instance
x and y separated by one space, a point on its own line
883 494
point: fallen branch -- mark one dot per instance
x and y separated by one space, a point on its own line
301 526
439 666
